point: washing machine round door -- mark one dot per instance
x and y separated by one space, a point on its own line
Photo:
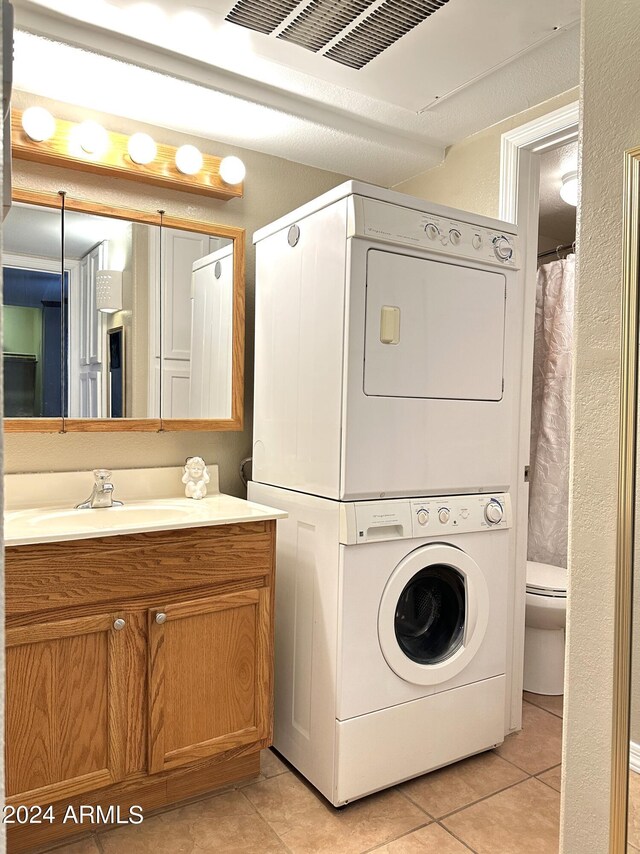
433 614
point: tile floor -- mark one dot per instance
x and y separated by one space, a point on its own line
506 801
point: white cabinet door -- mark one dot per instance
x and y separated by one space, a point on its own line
180 249
90 402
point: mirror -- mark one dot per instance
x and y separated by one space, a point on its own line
146 332
197 323
32 312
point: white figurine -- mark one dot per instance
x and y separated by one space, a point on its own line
196 478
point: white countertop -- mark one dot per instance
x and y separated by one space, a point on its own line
51 521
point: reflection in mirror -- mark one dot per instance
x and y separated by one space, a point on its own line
197 327
32 312
113 279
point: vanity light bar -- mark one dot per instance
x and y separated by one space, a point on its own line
110 156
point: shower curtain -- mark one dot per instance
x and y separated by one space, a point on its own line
551 413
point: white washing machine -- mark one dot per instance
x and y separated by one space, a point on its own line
388 336
391 625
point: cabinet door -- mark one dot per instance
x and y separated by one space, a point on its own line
209 677
66 708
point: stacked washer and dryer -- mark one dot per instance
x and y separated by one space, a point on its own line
387 394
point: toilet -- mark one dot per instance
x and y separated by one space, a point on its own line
545 621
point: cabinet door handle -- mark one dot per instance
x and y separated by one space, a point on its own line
119 624
161 618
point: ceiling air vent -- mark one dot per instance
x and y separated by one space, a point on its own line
262 16
321 21
379 30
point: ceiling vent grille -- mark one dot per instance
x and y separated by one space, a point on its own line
321 21
379 30
264 17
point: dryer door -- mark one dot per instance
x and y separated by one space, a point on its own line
433 614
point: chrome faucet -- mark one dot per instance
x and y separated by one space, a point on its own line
102 495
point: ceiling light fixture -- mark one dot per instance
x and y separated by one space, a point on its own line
569 189
109 291
38 124
232 170
142 148
188 160
93 138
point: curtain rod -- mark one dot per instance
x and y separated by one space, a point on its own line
558 249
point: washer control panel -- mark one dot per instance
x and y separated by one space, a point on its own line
437 233
373 521
460 514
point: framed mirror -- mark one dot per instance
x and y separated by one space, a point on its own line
150 319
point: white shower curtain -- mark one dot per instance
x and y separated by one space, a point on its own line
551 413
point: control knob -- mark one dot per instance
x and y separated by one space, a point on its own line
431 230
476 241
493 512
443 515
502 248
455 237
423 517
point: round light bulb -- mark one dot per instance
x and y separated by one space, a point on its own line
188 159
38 124
569 189
142 149
232 170
93 138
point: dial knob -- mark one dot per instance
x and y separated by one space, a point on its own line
432 231
493 512
455 237
423 517
443 515
476 241
502 248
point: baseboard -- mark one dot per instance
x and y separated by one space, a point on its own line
634 757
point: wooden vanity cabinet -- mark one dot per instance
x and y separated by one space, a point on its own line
139 669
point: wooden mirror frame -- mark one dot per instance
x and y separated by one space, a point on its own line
107 425
625 537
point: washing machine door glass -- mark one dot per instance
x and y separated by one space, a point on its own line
433 614
430 615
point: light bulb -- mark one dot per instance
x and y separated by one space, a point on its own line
232 170
142 149
569 189
188 159
38 124
93 138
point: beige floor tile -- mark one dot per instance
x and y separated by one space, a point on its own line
524 819
633 827
432 839
225 823
459 785
538 746
307 823
549 703
270 764
552 777
83 846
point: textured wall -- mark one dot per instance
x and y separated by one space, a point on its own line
272 188
469 177
610 124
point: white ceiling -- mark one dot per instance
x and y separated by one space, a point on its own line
467 66
557 218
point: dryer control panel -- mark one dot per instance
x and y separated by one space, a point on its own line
375 521
434 232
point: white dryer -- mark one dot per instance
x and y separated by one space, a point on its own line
391 625
388 336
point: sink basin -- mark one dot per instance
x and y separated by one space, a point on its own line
107 517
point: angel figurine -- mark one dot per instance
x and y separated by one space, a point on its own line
196 478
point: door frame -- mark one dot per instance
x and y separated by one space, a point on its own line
519 204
